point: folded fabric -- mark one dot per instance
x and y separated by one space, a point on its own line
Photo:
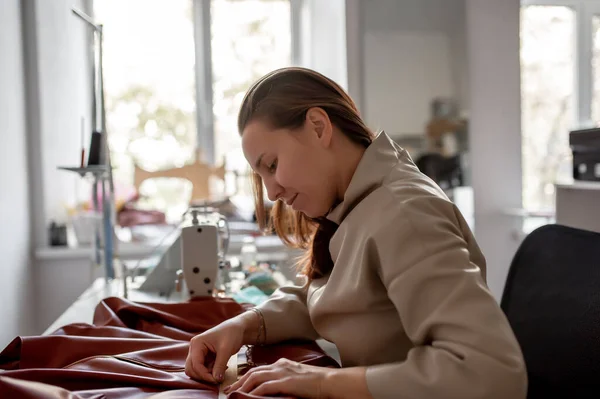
251 295
133 351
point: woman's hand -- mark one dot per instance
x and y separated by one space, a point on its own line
210 351
299 380
284 377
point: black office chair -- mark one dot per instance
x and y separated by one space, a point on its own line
552 301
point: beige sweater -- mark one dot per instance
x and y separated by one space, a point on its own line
407 297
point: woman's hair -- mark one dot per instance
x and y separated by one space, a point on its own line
281 99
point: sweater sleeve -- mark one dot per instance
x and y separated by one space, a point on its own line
463 344
286 315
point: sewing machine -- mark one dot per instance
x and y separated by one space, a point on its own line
160 274
194 264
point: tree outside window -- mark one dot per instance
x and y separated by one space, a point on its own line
150 76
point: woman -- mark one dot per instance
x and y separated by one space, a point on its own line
394 276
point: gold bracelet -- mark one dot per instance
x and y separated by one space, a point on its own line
262 331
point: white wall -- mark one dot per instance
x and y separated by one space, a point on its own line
64 80
460 61
16 288
355 52
495 130
45 89
59 94
470 48
413 51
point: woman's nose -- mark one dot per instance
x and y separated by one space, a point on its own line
274 191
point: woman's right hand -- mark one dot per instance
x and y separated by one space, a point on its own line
210 351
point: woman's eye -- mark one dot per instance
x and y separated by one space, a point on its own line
272 167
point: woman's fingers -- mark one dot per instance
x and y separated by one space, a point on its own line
199 371
283 377
274 387
239 383
220 365
243 378
256 379
236 385
194 364
210 351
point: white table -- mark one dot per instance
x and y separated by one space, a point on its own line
82 310
578 205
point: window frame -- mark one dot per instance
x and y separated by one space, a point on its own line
205 133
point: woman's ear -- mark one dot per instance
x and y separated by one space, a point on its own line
321 124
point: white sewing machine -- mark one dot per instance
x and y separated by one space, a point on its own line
194 264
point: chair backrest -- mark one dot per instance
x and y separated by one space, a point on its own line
552 301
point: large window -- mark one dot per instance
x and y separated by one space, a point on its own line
596 64
560 58
158 56
548 102
249 38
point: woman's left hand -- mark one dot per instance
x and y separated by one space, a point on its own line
283 377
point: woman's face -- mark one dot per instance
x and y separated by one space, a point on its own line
296 166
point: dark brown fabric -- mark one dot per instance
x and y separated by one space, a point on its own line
132 351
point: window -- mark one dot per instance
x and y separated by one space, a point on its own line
560 50
155 64
547 103
596 65
249 39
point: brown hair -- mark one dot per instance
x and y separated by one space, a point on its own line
281 99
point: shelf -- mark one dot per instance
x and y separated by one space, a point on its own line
579 185
126 250
525 213
87 170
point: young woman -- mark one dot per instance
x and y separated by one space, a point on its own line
395 278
